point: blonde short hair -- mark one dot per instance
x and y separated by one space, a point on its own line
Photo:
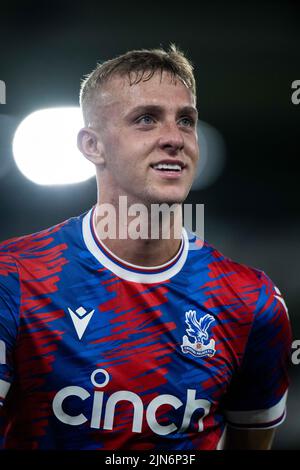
137 65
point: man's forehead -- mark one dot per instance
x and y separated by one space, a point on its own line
123 90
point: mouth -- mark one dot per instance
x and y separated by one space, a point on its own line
169 168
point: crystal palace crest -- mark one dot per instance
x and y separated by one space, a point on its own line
198 330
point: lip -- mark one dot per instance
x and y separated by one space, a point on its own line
170 175
170 161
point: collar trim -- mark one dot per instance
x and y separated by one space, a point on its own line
128 271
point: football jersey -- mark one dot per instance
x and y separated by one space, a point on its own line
98 353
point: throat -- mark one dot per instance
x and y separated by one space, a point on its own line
144 253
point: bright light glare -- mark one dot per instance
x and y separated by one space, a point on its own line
212 156
45 150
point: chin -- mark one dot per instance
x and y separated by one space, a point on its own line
167 198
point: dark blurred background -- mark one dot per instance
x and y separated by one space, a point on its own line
246 56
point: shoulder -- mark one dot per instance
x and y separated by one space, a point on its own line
34 244
223 268
234 281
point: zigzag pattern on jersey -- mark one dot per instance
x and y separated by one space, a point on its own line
40 261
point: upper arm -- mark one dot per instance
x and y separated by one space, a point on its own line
249 439
256 401
9 318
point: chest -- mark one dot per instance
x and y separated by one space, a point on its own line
158 339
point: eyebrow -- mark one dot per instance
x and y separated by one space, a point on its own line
156 109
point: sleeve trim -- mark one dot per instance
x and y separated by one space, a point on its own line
253 427
4 387
265 418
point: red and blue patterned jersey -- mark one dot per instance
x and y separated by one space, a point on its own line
97 353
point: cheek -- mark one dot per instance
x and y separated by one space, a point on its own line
116 152
194 149
127 151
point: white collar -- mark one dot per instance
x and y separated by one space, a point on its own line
128 271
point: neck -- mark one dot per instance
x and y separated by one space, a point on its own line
137 233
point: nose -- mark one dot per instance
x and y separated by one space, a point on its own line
171 139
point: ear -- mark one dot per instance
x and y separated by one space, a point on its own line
90 146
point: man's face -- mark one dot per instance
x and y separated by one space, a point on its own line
149 140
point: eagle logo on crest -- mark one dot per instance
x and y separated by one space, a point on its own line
198 329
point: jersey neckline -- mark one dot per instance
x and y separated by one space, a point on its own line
128 271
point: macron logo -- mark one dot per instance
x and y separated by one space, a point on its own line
80 319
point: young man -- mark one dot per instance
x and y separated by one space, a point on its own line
122 342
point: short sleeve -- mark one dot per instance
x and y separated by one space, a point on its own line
9 319
258 392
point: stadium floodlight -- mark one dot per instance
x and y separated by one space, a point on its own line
45 150
212 156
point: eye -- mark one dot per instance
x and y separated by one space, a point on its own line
187 121
145 119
